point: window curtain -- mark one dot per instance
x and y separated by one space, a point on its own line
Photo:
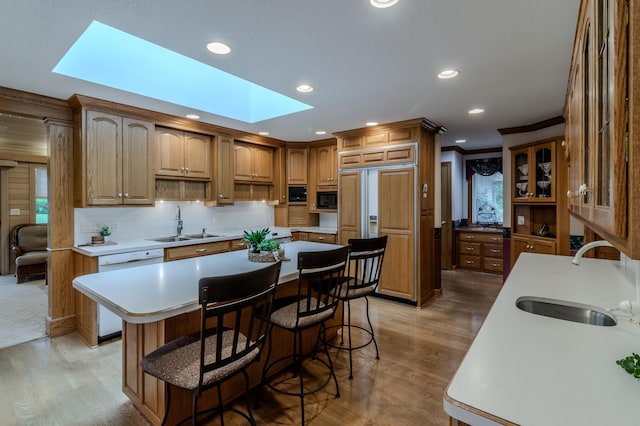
483 166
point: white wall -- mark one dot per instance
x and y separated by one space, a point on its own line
131 223
458 183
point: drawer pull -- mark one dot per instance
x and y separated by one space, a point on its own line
469 248
469 262
495 265
469 237
495 251
200 250
321 238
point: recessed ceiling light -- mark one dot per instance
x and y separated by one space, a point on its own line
383 3
193 116
450 73
321 132
461 141
218 48
305 88
263 133
371 123
476 111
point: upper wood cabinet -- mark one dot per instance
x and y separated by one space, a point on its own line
327 167
182 154
222 193
114 160
297 166
253 163
603 126
403 132
533 168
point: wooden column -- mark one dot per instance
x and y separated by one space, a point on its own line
61 314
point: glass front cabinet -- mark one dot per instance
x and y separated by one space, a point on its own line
533 171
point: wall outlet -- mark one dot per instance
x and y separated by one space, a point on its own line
520 220
14 212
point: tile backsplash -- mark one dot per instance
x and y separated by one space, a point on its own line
132 223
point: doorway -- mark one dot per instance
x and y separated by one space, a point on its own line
446 227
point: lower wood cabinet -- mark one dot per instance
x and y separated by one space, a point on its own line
521 244
316 237
480 251
195 250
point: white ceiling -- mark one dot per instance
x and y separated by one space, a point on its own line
367 64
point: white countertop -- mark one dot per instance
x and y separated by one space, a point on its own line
146 244
534 370
150 293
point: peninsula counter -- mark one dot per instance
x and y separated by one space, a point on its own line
529 369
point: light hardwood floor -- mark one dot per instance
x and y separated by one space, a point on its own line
62 382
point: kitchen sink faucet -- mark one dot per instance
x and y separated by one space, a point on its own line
179 219
589 246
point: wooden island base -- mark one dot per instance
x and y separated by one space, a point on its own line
148 393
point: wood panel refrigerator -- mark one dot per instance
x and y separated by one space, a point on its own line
382 201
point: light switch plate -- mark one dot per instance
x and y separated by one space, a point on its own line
520 220
14 212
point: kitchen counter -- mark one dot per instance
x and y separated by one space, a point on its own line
316 229
146 244
154 292
534 370
489 229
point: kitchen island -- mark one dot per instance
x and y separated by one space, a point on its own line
159 303
529 369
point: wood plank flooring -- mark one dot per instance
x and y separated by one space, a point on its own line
61 381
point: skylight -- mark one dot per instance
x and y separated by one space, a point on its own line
110 57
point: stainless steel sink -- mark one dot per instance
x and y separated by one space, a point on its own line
173 239
565 310
200 236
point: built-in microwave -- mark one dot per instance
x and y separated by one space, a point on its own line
327 200
298 194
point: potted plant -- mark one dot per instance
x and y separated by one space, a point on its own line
269 245
105 232
254 238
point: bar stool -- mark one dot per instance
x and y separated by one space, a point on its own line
218 352
362 277
299 312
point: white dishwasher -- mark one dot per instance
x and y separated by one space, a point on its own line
109 324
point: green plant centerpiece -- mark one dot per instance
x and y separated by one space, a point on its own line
269 245
255 238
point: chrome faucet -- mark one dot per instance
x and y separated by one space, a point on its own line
587 247
179 219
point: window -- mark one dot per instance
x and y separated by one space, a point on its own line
486 198
41 194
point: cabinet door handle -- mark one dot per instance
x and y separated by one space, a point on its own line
187 169
119 194
126 195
